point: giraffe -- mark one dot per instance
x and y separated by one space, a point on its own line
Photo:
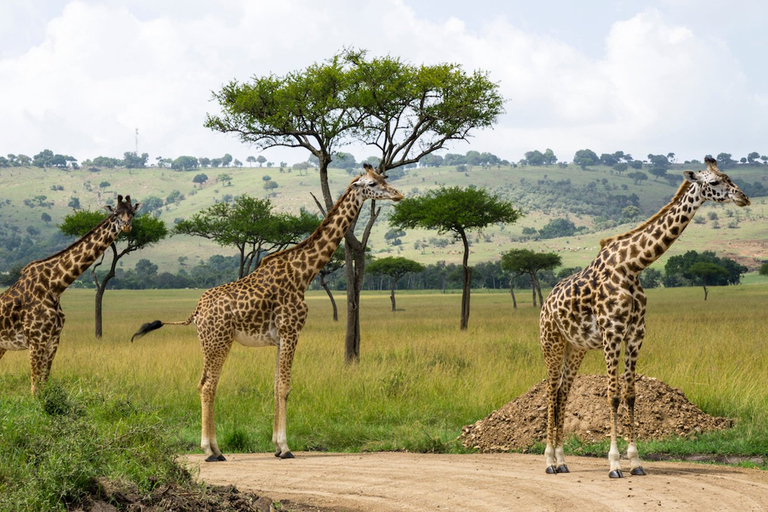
30 313
267 308
603 307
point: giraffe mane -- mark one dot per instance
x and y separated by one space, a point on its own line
57 254
680 193
315 234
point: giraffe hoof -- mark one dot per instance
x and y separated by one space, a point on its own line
215 458
286 455
638 471
551 470
562 469
616 473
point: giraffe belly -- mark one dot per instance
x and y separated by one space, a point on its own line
266 339
13 341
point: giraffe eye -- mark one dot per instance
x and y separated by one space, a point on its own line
714 183
372 184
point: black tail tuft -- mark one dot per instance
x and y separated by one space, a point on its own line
144 329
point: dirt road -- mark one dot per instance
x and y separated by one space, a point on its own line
384 482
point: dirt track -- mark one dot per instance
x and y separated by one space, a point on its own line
383 482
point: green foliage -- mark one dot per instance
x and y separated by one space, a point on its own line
764 269
454 210
585 158
706 268
250 225
394 266
557 228
56 446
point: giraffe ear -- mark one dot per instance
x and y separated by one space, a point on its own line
690 176
136 207
109 208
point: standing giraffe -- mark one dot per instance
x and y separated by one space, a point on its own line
603 306
30 313
267 307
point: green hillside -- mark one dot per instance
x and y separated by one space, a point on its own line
592 199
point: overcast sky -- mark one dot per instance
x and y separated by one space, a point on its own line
80 76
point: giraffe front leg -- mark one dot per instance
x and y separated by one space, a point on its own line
285 351
38 362
612 350
630 358
553 348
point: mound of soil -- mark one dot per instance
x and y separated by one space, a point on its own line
660 411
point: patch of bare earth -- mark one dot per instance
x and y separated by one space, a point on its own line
660 411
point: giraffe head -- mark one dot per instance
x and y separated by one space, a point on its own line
123 213
372 185
715 185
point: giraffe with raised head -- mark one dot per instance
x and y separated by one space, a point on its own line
30 312
267 308
603 307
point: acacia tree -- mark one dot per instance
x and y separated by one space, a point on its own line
704 272
525 261
405 111
146 230
455 210
250 225
396 267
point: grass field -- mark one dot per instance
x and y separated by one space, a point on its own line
420 378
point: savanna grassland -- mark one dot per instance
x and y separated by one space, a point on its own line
420 378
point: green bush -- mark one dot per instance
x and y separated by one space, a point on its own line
55 447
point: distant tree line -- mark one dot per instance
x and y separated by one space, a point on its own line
446 277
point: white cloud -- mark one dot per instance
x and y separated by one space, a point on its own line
102 69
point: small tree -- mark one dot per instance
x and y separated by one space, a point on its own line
456 210
199 179
704 271
764 269
525 261
395 267
146 230
249 225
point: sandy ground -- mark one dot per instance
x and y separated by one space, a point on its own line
384 482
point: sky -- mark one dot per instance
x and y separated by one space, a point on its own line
82 77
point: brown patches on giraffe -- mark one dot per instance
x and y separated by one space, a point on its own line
267 308
603 307
30 314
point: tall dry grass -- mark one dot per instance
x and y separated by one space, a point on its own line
420 378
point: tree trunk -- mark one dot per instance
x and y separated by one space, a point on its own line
101 287
706 292
538 289
355 264
466 275
533 289
330 296
392 295
97 312
512 292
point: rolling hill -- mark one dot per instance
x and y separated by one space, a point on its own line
592 199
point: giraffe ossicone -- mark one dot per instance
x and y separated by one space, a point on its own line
603 308
30 313
267 308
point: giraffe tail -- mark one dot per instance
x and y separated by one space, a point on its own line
148 327
152 326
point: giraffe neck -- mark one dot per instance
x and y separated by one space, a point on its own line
309 256
634 251
64 267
